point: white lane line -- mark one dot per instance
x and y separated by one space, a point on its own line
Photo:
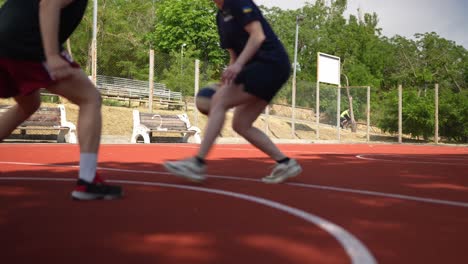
385 195
355 249
302 185
387 158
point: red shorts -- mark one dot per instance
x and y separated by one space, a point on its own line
19 77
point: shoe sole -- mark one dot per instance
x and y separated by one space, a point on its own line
83 196
294 173
191 177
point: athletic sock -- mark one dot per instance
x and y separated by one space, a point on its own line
88 164
200 161
285 160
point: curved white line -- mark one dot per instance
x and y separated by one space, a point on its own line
357 251
375 158
303 185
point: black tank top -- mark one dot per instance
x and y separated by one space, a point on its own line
20 36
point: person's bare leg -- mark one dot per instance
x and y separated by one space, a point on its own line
225 98
17 114
82 92
244 117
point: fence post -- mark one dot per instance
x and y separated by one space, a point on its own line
94 62
293 125
368 113
436 134
400 113
267 120
338 112
197 87
151 80
317 110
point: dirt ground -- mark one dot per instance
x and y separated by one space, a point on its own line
118 121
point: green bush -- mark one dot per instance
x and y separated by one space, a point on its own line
419 110
50 98
453 116
110 102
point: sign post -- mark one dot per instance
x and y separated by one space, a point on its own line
328 71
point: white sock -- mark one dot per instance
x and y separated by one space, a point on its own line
88 164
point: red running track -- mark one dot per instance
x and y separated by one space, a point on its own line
352 204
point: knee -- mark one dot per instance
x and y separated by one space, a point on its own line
240 127
98 99
218 106
93 97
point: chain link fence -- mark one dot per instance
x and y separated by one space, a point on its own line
175 73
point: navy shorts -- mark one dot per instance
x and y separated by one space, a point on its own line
264 79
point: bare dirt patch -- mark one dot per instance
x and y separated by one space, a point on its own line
118 121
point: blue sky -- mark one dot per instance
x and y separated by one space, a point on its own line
448 18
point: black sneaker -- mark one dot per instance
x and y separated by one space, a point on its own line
98 189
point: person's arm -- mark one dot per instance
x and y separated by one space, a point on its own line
49 20
232 56
232 60
255 41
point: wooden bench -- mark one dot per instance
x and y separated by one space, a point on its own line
50 119
145 125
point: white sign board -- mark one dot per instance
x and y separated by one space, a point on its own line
328 69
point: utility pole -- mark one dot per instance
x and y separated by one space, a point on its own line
94 44
294 83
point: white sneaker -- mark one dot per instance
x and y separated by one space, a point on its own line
283 171
188 168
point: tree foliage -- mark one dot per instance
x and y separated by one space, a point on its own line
418 114
453 114
122 31
191 23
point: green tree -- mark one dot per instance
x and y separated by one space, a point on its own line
429 59
121 36
190 22
453 112
417 116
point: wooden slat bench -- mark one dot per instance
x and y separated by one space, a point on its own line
50 119
145 125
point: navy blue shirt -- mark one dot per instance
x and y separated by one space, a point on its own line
20 36
233 18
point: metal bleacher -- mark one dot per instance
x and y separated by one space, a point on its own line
129 89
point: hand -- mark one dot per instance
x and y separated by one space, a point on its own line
231 72
58 67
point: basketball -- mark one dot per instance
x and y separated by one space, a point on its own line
203 98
